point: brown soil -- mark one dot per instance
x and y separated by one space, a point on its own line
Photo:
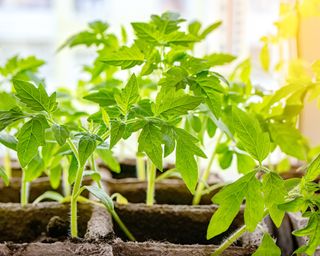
171 223
121 248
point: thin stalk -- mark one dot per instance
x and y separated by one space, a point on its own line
122 225
24 194
7 164
206 173
141 168
66 186
74 196
229 241
151 172
94 168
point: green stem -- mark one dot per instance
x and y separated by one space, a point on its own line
151 172
122 225
66 185
230 240
141 169
74 196
24 195
94 168
201 185
7 164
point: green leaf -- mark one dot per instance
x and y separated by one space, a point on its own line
55 176
245 163
51 195
289 139
211 128
213 91
146 32
168 140
225 159
116 133
170 102
35 98
274 194
150 141
87 145
104 97
230 198
312 230
125 57
219 59
7 101
129 95
195 122
252 138
9 141
108 158
209 29
104 198
61 133
73 168
175 77
313 170
31 136
8 117
34 169
4 176
267 247
186 150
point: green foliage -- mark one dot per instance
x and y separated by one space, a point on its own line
61 133
267 247
35 98
4 176
8 117
30 138
251 137
87 145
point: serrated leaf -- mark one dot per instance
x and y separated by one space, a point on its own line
274 193
289 139
4 176
252 138
104 97
186 150
34 169
30 138
267 247
61 133
313 169
312 230
87 145
168 140
125 57
129 95
116 133
230 198
150 141
8 117
9 141
245 163
7 101
35 98
175 77
170 102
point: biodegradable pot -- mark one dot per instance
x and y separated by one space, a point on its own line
121 248
167 191
43 229
180 224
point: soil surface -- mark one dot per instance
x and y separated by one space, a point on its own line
171 223
121 248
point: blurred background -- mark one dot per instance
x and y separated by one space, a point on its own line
39 27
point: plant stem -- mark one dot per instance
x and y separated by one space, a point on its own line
201 185
66 186
24 195
141 169
94 168
74 196
122 225
151 172
7 164
230 240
